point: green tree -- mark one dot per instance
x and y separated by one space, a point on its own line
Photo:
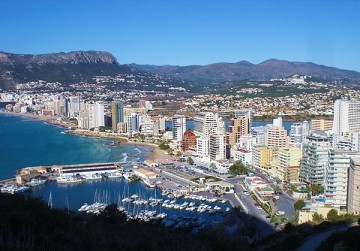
317 189
317 218
164 146
277 189
190 161
299 205
212 165
332 216
237 168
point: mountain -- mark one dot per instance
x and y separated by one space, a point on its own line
272 68
67 68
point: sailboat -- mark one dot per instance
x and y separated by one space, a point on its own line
50 203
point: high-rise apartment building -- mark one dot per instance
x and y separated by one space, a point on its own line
117 113
298 132
353 200
336 178
178 127
262 157
238 127
288 165
217 147
321 125
207 123
276 137
188 141
96 115
346 117
315 158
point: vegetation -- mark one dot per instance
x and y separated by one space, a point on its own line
298 205
164 145
332 216
349 240
315 189
238 168
317 218
190 161
29 224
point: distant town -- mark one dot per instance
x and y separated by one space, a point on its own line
307 173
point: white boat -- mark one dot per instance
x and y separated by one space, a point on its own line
36 182
67 179
148 183
94 176
115 174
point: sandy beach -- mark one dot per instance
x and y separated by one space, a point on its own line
154 154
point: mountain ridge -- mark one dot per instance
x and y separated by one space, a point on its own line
67 68
271 68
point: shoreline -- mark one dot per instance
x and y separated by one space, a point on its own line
154 152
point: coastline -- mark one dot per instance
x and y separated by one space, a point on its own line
155 153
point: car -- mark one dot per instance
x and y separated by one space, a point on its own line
258 207
256 204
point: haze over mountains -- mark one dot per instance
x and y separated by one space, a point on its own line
272 68
80 66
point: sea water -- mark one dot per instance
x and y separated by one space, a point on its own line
26 142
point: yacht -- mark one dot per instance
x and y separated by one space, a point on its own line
36 182
67 179
148 183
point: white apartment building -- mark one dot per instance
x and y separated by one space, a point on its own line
207 123
217 147
315 158
96 115
346 118
336 178
202 147
178 127
298 133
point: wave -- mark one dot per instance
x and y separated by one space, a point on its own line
125 157
138 150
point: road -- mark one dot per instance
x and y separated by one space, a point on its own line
313 241
285 203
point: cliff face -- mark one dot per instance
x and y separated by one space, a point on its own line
74 57
61 67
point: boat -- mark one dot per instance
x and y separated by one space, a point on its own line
67 179
116 174
148 183
36 182
94 176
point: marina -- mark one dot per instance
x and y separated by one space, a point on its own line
142 193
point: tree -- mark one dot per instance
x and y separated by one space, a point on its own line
317 189
277 189
317 218
190 161
299 205
212 165
237 168
332 216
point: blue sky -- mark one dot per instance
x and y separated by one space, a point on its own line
184 32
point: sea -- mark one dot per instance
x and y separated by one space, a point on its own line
26 142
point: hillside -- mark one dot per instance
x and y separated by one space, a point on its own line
272 68
61 67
